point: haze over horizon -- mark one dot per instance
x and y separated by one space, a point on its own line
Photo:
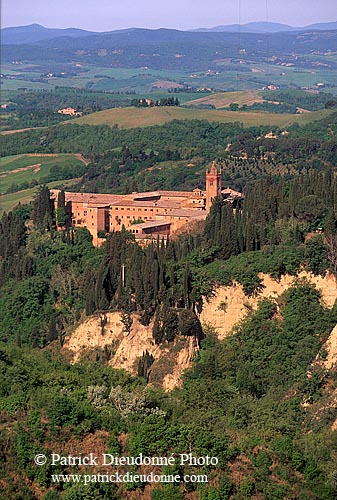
104 15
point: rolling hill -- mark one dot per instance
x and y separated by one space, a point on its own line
143 117
170 49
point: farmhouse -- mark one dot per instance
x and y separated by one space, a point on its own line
69 111
146 215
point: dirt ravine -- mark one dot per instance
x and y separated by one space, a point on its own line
228 306
129 347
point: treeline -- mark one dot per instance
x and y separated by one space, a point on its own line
51 100
38 108
302 99
148 103
288 101
190 137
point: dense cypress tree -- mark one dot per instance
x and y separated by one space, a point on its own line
42 213
213 220
228 236
12 234
165 327
52 330
61 215
144 365
330 226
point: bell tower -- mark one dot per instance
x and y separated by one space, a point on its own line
213 185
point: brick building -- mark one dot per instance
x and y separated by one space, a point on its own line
146 215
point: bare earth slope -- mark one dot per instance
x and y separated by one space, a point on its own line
228 306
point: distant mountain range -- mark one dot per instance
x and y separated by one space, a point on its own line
165 48
35 32
267 27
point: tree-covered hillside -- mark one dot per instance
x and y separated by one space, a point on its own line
158 49
261 400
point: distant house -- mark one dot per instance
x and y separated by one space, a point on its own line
69 111
271 87
147 102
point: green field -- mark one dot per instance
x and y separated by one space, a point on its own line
9 201
229 76
19 84
19 169
93 78
143 117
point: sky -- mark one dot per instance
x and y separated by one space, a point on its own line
107 15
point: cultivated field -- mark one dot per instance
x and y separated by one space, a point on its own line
229 76
20 169
224 99
143 117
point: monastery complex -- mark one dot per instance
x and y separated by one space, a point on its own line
146 215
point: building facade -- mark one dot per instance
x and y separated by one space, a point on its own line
146 215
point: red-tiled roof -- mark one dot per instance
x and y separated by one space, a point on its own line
92 198
152 204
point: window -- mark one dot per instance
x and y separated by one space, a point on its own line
85 212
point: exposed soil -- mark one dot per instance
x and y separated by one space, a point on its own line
223 311
35 168
230 305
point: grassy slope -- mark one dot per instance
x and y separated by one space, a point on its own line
143 117
9 201
24 168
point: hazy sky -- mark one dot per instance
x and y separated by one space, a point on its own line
105 15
